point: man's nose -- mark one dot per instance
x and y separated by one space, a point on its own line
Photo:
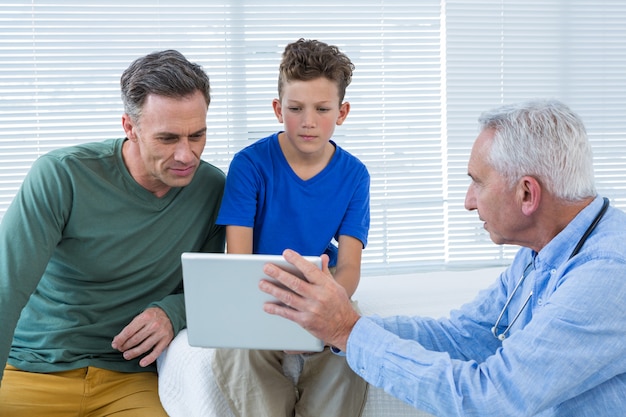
184 152
470 200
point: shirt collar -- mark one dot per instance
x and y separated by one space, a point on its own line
558 250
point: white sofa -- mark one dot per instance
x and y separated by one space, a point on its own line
186 384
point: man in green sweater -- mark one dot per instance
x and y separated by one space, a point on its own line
90 275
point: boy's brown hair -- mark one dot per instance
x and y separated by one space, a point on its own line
306 60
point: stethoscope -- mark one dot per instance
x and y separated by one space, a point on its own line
494 329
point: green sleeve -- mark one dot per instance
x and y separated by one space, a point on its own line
29 232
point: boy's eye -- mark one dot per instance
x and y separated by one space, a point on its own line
294 108
323 109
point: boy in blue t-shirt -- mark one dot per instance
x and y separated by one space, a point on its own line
297 189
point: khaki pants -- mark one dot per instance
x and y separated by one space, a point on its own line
255 385
85 392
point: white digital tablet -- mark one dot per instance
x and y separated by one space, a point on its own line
224 304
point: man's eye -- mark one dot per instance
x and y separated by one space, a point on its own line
197 137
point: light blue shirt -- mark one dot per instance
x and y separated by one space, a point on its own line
564 356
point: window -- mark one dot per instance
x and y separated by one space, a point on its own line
424 72
508 51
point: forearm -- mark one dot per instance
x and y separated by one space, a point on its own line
348 271
426 380
348 279
428 364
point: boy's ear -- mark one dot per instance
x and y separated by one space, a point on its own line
344 109
278 110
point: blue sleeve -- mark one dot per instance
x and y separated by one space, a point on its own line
240 193
356 222
571 346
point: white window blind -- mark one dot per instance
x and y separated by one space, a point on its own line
507 51
424 72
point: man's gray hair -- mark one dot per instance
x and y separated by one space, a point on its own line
165 73
543 139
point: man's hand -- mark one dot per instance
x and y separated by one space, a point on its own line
320 305
151 331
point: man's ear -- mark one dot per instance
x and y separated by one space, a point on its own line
129 127
529 193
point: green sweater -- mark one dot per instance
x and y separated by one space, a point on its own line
84 249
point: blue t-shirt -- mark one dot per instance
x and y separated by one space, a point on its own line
263 192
